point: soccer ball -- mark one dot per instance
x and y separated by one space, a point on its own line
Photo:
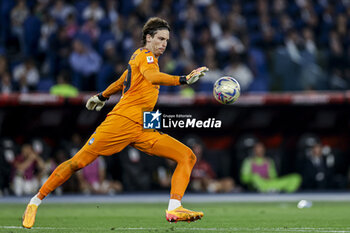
226 90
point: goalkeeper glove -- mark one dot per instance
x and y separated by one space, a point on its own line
96 102
193 76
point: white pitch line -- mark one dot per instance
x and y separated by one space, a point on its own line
277 229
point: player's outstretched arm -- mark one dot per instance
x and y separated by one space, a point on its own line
115 87
194 75
159 78
97 102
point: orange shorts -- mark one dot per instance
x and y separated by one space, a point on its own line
116 132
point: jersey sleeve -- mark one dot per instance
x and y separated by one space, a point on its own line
146 61
115 87
149 68
158 78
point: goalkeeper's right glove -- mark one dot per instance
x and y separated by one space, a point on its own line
193 76
96 102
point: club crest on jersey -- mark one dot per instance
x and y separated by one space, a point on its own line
91 141
152 120
149 59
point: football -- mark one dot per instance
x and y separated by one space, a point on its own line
226 90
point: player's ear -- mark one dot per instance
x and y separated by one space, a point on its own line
148 38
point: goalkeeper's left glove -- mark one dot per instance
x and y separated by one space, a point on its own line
96 102
193 76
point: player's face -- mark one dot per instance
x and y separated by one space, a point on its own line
157 43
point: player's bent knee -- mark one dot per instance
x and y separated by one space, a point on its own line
193 158
190 157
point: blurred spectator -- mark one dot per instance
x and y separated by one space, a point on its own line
308 14
214 72
71 27
63 87
318 169
47 29
313 77
61 10
215 21
91 29
117 29
40 8
110 69
18 15
41 147
7 156
239 71
85 63
310 44
26 75
187 92
279 6
257 62
296 63
259 173
72 145
3 65
164 173
131 41
93 179
286 23
186 44
32 32
203 177
93 11
28 169
201 43
6 86
294 38
237 22
111 11
228 42
136 174
58 54
337 62
192 19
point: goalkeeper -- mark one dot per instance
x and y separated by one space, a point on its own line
123 125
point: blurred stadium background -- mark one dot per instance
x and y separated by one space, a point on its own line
290 57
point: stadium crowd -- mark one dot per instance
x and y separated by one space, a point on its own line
248 166
267 45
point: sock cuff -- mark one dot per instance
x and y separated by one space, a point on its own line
40 195
173 204
176 196
35 200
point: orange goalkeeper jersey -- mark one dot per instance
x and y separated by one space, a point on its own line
139 93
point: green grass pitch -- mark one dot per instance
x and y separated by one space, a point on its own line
218 217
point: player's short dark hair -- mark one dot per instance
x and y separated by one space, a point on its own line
152 26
